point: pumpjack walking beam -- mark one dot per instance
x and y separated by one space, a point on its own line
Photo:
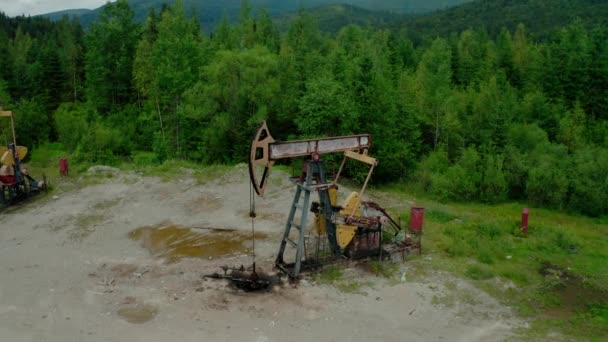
265 151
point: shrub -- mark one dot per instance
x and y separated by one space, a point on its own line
479 272
31 123
460 181
527 137
436 163
71 122
142 159
589 188
160 148
102 145
493 183
547 182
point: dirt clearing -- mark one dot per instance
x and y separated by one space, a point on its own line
113 262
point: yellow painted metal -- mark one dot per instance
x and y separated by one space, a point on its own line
349 205
6 158
346 234
361 157
320 224
333 196
21 152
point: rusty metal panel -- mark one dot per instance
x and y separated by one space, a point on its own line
301 148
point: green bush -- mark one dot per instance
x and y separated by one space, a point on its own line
526 137
460 181
515 170
71 123
589 186
479 272
547 183
160 148
102 145
31 123
493 183
142 159
436 163
47 154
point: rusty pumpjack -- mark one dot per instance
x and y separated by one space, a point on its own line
15 182
353 229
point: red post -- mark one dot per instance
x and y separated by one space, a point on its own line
524 220
63 167
416 219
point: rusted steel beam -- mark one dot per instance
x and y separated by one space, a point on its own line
312 147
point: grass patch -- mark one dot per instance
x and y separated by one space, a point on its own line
483 243
103 205
440 215
385 269
479 272
84 226
335 276
330 275
352 286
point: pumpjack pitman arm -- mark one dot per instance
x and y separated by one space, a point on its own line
265 151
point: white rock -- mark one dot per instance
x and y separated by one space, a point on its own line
103 169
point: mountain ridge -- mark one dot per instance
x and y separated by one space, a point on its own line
210 14
541 17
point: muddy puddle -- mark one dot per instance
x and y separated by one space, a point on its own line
573 294
175 242
138 314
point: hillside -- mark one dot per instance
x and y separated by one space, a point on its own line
210 13
70 13
331 18
541 17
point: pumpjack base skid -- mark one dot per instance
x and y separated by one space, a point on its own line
308 265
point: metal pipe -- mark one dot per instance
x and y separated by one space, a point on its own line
369 175
340 170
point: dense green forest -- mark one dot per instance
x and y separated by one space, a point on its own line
465 117
541 17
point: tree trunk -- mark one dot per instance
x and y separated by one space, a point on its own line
160 118
74 85
177 127
436 132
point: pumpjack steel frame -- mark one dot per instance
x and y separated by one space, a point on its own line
23 185
265 151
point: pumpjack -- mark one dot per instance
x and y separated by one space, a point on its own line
15 182
353 229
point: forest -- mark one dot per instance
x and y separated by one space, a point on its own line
465 116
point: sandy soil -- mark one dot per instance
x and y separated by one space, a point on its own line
70 272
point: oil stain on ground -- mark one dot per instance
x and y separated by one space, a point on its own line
175 242
138 313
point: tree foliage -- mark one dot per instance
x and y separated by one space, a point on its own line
471 116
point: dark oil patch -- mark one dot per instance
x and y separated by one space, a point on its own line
138 313
175 242
573 293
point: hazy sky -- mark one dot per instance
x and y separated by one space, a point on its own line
32 7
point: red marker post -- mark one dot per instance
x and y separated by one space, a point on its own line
415 226
63 167
524 220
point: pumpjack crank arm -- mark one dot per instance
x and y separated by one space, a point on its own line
265 151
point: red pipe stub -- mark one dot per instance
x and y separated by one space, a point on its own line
63 166
416 219
524 220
